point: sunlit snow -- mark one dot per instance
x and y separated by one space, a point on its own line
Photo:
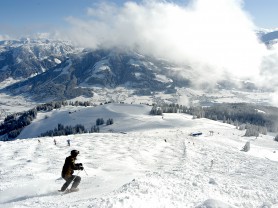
148 161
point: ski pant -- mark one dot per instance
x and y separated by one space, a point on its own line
76 180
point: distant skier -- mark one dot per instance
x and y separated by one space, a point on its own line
55 141
211 164
68 142
68 170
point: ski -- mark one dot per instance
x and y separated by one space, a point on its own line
69 191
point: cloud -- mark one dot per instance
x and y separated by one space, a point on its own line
269 72
216 38
4 37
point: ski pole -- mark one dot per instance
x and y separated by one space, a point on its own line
76 175
85 171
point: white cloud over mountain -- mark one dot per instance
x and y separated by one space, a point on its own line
216 38
208 32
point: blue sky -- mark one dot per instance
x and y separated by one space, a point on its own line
264 12
44 15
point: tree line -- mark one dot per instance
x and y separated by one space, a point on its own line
62 130
65 130
13 124
254 118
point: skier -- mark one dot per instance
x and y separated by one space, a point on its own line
68 142
67 172
211 164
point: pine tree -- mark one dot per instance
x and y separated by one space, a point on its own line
109 121
252 130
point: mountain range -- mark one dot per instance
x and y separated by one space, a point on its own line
269 37
57 70
24 58
45 70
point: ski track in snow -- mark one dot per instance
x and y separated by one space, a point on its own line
140 169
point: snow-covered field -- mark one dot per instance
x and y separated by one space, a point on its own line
184 96
154 163
10 104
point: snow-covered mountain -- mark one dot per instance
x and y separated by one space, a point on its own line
24 58
43 70
140 160
81 72
269 37
153 163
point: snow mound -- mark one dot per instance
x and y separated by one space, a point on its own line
212 203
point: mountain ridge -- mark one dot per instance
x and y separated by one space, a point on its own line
46 70
24 58
78 73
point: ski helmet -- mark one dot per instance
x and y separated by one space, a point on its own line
74 153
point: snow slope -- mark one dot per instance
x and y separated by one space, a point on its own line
126 118
154 164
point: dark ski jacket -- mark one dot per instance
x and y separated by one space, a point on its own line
69 167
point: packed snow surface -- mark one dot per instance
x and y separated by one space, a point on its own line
148 161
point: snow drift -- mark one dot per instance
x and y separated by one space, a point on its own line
157 165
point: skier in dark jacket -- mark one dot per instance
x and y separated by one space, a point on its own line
68 169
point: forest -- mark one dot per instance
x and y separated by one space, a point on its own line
13 124
242 115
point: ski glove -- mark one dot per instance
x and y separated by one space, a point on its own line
79 166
